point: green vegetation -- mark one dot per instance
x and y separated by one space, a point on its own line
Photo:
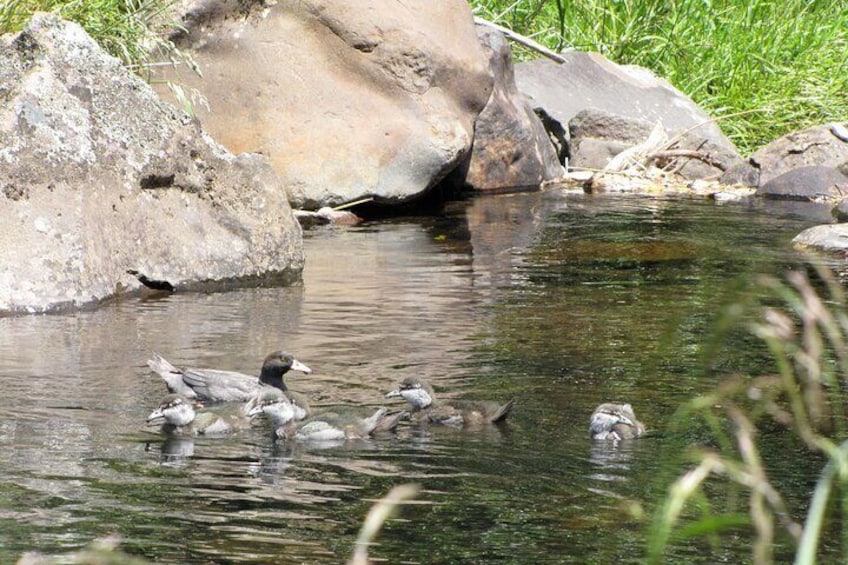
775 66
803 320
127 29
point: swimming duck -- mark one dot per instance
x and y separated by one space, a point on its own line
177 416
275 405
212 385
615 422
422 400
332 425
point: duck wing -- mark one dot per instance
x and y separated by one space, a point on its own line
209 424
445 414
389 422
319 431
220 386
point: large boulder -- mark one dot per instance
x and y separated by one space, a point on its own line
511 148
633 94
100 177
349 100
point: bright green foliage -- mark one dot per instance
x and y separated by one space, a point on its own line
126 29
778 66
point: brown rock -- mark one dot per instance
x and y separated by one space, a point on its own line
374 98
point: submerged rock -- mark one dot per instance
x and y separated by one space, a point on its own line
101 181
829 237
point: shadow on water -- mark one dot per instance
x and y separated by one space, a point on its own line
559 302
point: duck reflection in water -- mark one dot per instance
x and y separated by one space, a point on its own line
174 451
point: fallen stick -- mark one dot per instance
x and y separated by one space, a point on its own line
522 40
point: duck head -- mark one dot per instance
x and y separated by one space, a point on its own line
614 421
418 394
278 364
174 410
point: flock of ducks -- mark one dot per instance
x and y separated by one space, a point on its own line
241 400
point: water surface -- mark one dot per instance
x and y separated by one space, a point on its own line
559 302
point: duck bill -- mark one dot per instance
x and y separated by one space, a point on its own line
298 366
155 417
393 393
255 411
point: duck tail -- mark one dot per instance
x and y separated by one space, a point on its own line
172 376
502 412
371 423
160 365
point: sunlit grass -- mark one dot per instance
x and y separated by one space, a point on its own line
127 29
780 66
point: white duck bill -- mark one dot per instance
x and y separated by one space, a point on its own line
298 366
155 416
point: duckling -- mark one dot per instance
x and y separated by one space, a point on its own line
212 385
336 426
275 405
615 422
422 400
333 425
177 417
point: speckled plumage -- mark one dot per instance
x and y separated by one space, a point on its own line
339 424
426 409
615 422
177 416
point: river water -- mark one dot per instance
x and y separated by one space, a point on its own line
560 302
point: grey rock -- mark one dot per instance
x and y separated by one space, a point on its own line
511 147
588 80
745 173
814 182
597 136
348 100
828 237
815 146
99 176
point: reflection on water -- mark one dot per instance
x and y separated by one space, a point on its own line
561 303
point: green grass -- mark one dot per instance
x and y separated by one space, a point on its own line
126 29
779 66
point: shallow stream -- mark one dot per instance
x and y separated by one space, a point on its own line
561 302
